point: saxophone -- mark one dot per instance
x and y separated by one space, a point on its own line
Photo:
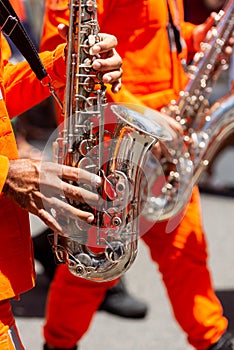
106 139
204 127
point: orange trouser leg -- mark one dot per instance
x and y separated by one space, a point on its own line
71 305
9 336
182 259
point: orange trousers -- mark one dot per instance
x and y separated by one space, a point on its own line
9 336
182 261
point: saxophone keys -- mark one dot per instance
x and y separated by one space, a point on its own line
90 5
108 186
84 147
111 218
84 259
92 39
77 270
114 251
116 221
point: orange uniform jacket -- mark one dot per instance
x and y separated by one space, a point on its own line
153 65
152 75
19 91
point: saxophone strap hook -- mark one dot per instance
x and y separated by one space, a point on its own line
46 81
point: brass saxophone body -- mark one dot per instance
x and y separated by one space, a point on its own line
109 140
204 127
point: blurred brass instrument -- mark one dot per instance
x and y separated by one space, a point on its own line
205 127
109 140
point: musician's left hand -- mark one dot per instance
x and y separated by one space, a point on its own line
109 63
160 150
201 31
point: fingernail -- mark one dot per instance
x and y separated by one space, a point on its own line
94 50
95 180
90 219
107 79
96 65
116 89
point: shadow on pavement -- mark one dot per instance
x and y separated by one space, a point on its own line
32 303
226 297
222 191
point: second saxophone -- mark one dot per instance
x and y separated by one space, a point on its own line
204 127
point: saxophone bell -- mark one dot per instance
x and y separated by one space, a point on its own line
168 180
104 250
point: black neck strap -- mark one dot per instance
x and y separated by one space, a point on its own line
176 31
12 27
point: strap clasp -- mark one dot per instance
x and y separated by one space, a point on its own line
9 25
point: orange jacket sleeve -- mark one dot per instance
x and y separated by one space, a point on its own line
23 90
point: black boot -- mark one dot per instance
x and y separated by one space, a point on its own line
46 347
119 302
226 342
44 254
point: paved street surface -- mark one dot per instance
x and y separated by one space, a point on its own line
158 330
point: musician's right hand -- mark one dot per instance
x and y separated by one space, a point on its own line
160 150
201 31
37 187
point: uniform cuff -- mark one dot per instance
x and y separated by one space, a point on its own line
55 65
